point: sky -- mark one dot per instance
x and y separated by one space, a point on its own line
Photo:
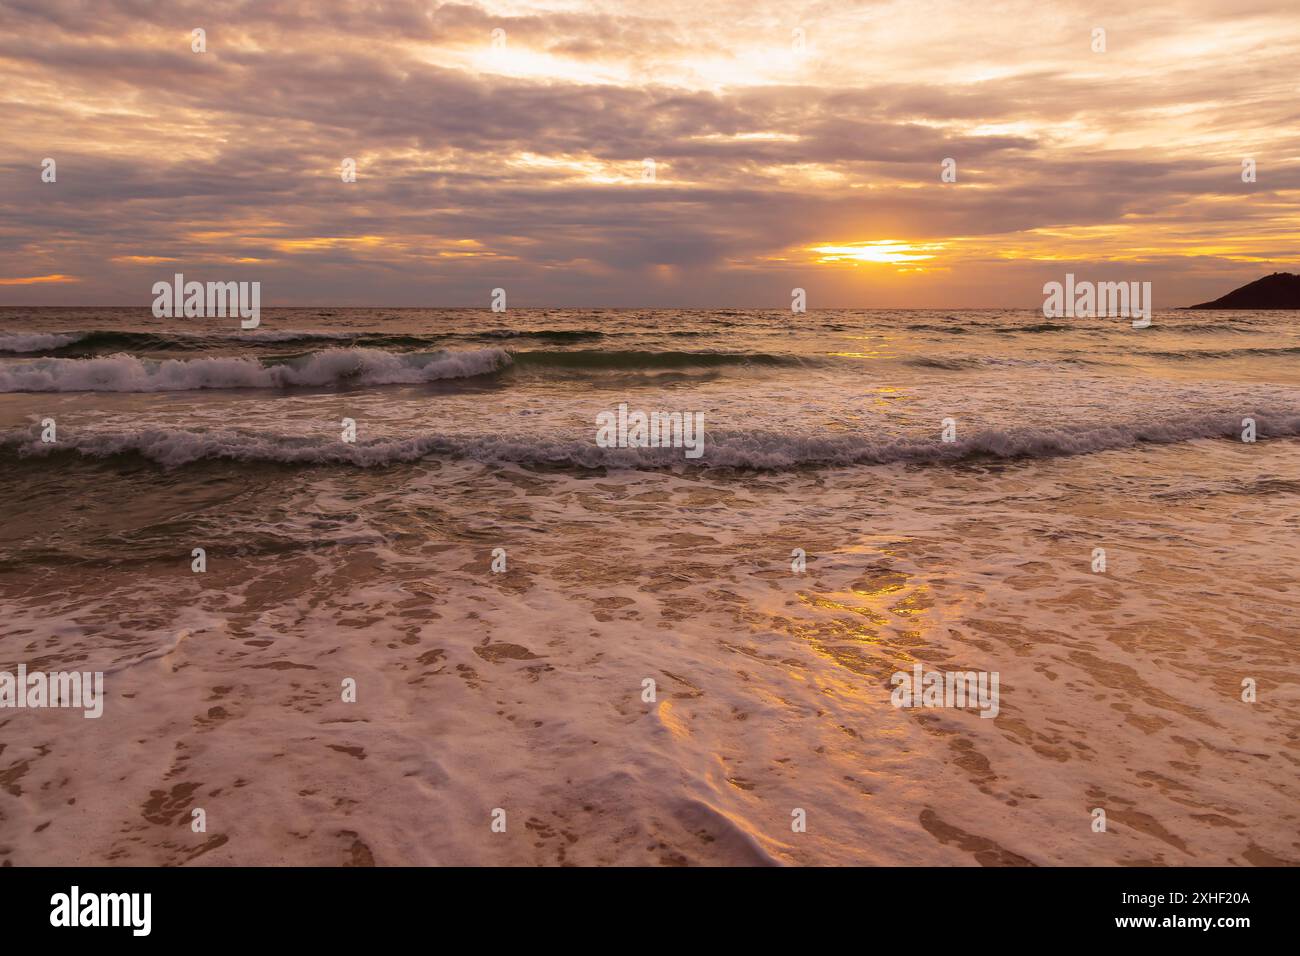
672 154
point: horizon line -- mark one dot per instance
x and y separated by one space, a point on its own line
643 308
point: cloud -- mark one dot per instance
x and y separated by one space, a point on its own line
524 165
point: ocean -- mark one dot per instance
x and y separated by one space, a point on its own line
460 630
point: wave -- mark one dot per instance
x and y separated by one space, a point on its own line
614 359
725 449
1193 354
954 364
962 362
126 373
88 342
1111 323
37 341
338 366
545 335
106 341
1090 325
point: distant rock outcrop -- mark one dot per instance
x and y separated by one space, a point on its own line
1281 290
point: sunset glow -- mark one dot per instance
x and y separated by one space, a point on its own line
699 154
884 250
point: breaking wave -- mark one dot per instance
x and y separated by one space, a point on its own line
127 373
723 449
340 366
37 341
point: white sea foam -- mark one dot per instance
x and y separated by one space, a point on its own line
524 690
757 450
37 341
127 373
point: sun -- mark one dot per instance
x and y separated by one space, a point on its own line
888 251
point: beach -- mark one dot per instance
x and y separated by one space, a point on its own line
877 491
